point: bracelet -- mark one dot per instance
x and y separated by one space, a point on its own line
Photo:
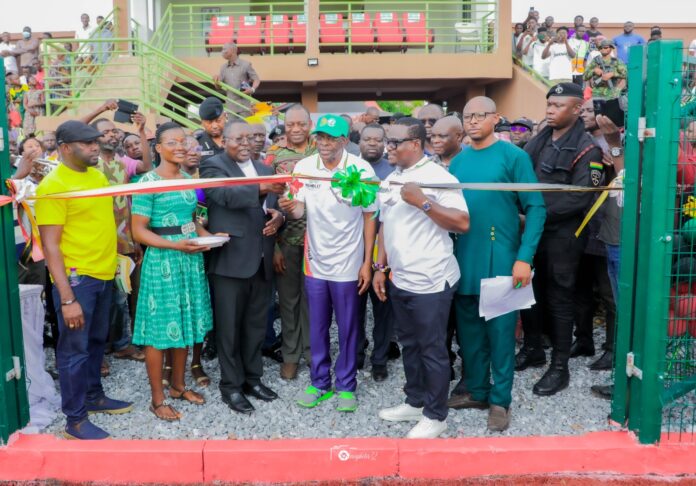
380 268
68 302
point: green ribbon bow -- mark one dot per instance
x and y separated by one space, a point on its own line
352 187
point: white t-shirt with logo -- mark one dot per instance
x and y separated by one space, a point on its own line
334 244
560 66
419 252
540 64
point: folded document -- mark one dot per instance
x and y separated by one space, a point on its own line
499 297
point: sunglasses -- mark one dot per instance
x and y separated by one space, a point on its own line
428 121
519 129
395 142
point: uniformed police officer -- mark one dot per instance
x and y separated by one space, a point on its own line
562 153
213 119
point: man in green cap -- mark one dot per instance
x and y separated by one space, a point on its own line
337 261
606 74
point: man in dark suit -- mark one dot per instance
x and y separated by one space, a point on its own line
241 270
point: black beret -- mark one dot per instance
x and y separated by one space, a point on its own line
211 108
76 131
566 89
277 131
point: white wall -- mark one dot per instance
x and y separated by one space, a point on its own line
49 15
610 11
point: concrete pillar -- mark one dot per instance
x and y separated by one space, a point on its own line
310 97
312 12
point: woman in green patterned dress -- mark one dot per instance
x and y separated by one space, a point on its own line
174 309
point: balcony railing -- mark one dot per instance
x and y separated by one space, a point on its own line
431 26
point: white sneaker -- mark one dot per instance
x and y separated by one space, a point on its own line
427 429
401 413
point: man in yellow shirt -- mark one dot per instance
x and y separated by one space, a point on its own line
79 242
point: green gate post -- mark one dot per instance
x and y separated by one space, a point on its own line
629 233
14 404
662 113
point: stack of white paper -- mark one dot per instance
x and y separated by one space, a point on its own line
499 297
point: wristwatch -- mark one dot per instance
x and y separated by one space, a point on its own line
426 206
616 151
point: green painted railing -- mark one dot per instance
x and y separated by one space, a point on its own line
531 71
344 26
131 69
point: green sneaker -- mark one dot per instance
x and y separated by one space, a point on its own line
312 396
347 402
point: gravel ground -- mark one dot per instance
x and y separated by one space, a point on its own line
573 411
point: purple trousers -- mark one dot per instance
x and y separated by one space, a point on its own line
324 298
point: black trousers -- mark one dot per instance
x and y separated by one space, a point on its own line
382 332
556 267
241 311
421 326
593 275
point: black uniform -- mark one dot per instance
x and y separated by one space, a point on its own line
208 146
572 159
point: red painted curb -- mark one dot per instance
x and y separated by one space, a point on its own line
37 457
300 460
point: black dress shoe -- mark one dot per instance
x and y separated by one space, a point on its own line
272 353
394 352
605 362
554 380
459 389
379 372
237 402
582 348
602 391
529 357
260 391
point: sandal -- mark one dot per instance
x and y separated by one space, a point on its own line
130 352
199 375
105 369
188 395
166 375
155 410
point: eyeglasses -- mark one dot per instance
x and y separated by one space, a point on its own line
241 140
196 149
519 129
174 143
428 121
479 116
395 142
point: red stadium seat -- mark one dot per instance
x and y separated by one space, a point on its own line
278 33
221 32
390 37
331 31
361 32
416 30
299 33
249 36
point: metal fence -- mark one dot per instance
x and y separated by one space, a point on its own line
348 26
655 371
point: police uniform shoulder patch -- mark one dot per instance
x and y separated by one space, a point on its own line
596 170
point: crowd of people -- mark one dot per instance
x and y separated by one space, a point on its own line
581 54
305 253
25 73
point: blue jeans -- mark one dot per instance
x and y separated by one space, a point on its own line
613 254
120 320
80 352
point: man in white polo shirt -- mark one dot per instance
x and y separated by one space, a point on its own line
416 249
337 262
